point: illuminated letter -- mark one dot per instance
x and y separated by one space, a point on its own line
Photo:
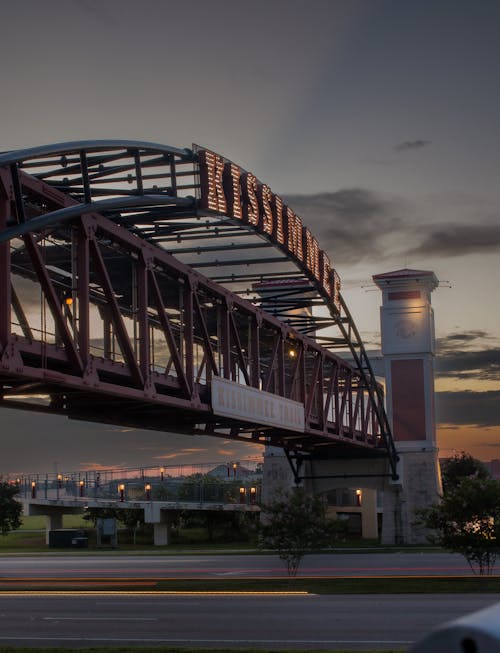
249 202
326 269
311 252
277 207
265 197
335 281
294 234
232 175
212 191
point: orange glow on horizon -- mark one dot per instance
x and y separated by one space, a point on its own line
482 442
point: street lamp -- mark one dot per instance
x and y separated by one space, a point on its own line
147 489
121 490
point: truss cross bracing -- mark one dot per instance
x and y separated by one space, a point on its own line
140 285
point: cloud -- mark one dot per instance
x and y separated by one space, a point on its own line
416 144
457 240
352 223
473 354
483 365
181 453
468 408
357 224
450 342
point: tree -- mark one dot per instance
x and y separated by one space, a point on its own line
131 518
294 524
467 520
10 508
461 466
203 487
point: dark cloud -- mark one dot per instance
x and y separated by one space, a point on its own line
464 338
457 240
356 224
482 365
472 354
352 223
468 408
417 144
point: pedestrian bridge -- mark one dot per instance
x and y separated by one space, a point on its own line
162 288
157 491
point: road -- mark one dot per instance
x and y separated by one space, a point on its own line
307 622
209 620
90 565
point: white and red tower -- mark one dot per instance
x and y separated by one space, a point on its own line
408 349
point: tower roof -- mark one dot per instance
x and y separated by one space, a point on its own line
407 276
403 273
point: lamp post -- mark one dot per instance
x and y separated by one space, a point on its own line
121 490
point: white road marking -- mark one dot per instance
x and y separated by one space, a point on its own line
99 619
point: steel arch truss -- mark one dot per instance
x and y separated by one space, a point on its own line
132 337
99 320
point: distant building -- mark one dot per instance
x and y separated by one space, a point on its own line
228 471
493 466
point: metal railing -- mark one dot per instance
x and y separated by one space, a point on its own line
228 482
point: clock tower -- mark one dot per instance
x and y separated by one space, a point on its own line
408 349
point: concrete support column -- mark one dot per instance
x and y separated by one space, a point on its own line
53 522
277 474
326 475
153 514
161 533
419 487
369 521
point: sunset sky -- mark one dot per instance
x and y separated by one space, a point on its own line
378 121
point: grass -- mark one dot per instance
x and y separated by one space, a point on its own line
312 585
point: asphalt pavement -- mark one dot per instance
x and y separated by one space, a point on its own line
266 622
115 565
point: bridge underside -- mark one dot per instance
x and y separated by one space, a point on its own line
99 322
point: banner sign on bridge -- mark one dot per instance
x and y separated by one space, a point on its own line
230 399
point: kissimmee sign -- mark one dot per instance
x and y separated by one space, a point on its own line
229 190
230 399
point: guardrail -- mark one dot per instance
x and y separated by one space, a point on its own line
234 482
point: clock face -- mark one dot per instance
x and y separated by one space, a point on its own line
405 329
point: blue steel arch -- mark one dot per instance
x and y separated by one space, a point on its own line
154 191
